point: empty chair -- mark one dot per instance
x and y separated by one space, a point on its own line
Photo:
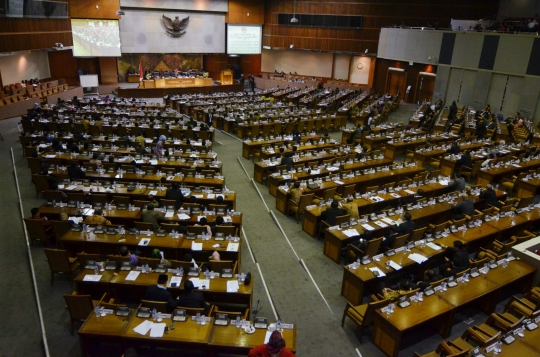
61 263
60 228
244 314
144 226
298 208
79 307
219 265
38 231
160 306
362 315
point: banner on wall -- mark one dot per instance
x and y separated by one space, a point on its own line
142 62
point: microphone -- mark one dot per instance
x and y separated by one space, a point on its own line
256 310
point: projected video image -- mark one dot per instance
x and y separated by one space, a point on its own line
95 38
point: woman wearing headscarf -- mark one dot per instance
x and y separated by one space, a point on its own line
159 147
274 348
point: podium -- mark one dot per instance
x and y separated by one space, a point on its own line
90 84
226 77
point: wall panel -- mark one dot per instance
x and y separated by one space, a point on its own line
86 9
496 91
341 66
238 10
303 63
512 54
24 66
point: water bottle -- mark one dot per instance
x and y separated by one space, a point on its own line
154 314
95 269
147 268
54 203
238 321
198 318
96 311
181 271
278 325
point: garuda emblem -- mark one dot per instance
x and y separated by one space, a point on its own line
175 28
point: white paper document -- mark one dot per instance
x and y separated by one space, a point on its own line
417 258
144 242
211 195
444 182
157 329
196 246
434 246
389 220
351 232
232 286
169 214
177 280
76 220
132 275
381 273
409 192
233 247
368 227
92 277
183 216
153 193
394 265
144 327
381 224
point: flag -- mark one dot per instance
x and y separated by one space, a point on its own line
140 70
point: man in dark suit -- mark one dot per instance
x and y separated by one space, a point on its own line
330 214
208 118
490 196
408 226
192 299
458 184
175 193
429 277
458 262
159 292
287 160
465 160
75 172
465 207
454 149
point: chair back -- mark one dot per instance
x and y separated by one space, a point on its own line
192 311
152 262
197 229
53 195
342 219
417 234
144 226
370 311
84 257
36 230
181 264
219 265
166 203
160 306
169 227
140 204
118 259
60 228
244 315
373 246
329 194
100 198
523 202
41 183
58 260
400 241
348 190
227 230
305 200
79 306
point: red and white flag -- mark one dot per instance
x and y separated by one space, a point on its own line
140 70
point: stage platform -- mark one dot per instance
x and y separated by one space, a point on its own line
127 92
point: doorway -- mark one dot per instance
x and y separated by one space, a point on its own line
425 85
395 82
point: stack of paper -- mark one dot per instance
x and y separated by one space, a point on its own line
157 329
434 246
143 327
183 216
132 276
232 286
175 279
351 232
380 224
394 265
92 277
381 273
233 247
196 246
417 258
368 227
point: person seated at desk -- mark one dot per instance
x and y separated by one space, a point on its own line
428 278
150 216
465 160
296 192
458 184
489 196
189 258
75 172
352 208
454 149
458 261
53 185
159 292
191 298
403 287
408 226
71 146
329 215
288 160
158 151
220 201
465 207
36 216
491 159
356 134
153 201
204 223
274 348
133 259
388 242
97 218
95 160
175 193
219 222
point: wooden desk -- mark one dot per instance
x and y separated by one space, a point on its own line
483 292
390 331
262 169
232 340
527 188
100 335
392 149
495 175
186 336
531 340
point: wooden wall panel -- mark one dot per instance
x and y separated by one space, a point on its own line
250 64
238 10
376 14
86 9
214 64
63 65
108 70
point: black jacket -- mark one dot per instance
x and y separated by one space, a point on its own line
156 293
192 299
490 197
